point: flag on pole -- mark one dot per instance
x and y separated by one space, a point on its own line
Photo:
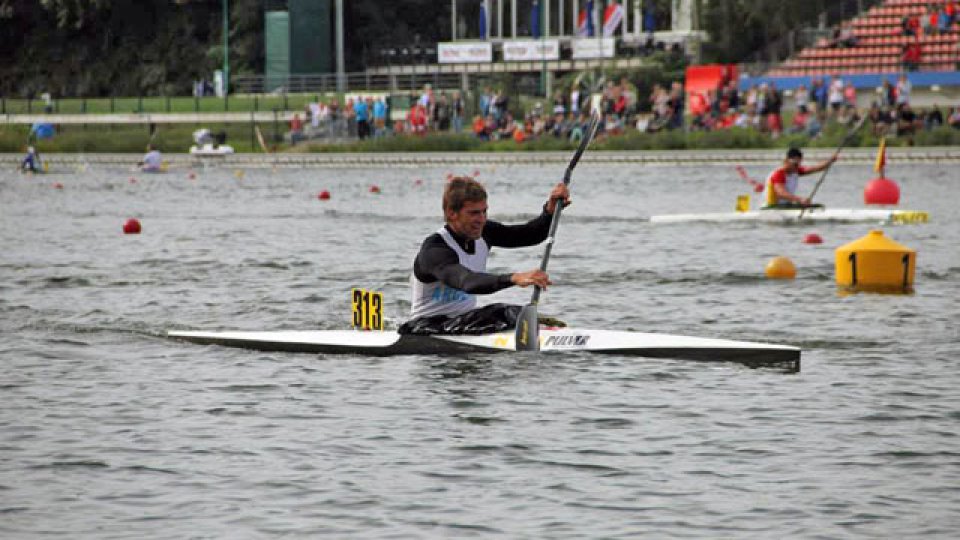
483 19
585 26
535 20
611 18
881 162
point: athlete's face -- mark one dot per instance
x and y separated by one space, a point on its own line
469 220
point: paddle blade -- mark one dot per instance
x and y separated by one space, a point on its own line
528 333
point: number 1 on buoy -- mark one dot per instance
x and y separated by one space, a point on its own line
367 307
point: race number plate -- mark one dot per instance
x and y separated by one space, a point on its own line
367 309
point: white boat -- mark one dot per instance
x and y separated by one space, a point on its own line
810 215
552 340
209 150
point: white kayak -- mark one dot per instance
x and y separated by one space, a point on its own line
792 215
387 343
209 150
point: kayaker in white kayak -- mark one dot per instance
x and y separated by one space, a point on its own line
451 268
782 182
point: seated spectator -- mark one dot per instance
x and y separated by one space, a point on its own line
911 25
906 121
880 119
612 125
844 37
912 53
800 120
932 25
943 20
950 10
954 119
479 128
296 129
933 118
847 115
815 124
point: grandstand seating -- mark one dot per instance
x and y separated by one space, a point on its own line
880 43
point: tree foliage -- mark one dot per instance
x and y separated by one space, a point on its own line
159 47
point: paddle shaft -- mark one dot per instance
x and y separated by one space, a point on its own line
558 209
836 154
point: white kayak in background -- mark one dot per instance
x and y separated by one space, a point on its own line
209 150
810 215
552 340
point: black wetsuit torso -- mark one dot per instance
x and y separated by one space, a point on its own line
438 261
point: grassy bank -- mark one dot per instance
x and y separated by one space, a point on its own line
178 138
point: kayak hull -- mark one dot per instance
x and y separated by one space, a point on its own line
389 343
810 215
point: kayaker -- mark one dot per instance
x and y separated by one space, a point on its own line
782 182
152 161
31 162
451 268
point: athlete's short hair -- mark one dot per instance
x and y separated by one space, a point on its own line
461 190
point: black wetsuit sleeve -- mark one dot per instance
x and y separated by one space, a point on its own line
526 234
437 261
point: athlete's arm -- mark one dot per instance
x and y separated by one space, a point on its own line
436 261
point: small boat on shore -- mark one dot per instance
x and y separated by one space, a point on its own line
552 340
211 150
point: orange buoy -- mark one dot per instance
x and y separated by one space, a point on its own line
324 195
780 268
132 226
881 190
374 189
812 238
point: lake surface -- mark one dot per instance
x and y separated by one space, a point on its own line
110 430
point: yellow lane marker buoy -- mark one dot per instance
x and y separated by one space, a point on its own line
875 263
780 268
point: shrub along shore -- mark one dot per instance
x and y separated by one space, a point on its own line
177 138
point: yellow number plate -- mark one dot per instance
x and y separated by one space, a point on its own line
367 309
911 217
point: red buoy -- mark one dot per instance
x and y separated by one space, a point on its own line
881 191
812 238
476 173
57 185
418 182
374 189
132 226
324 195
133 180
192 175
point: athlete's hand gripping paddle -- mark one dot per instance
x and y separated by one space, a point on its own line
527 332
853 131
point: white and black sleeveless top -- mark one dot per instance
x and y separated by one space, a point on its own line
439 298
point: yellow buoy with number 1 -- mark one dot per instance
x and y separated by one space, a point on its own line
875 263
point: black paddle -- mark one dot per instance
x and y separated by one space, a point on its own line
528 333
853 131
